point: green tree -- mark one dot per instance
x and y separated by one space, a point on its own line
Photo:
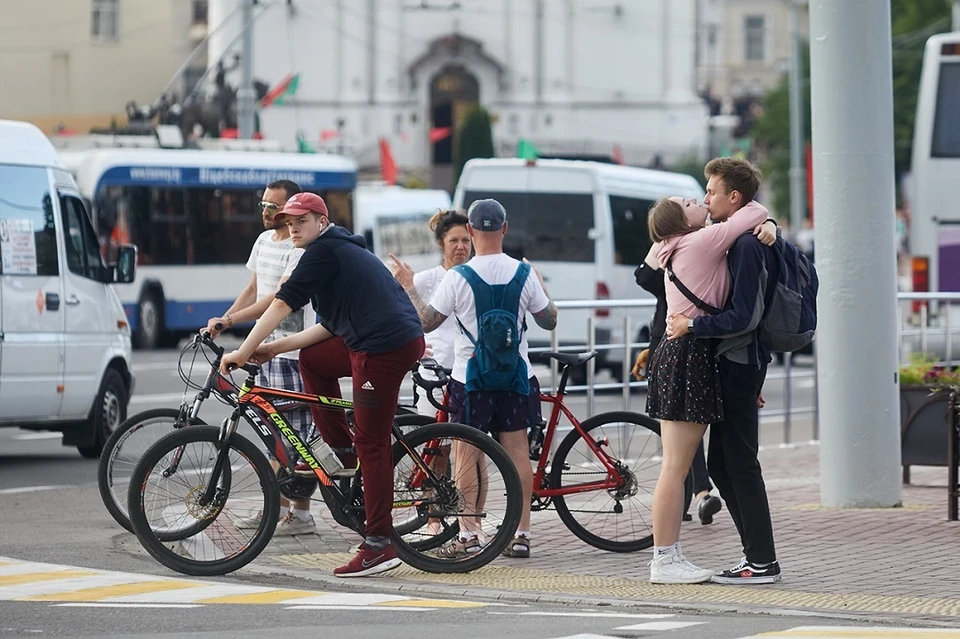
475 139
912 22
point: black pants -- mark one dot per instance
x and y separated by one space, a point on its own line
733 462
698 470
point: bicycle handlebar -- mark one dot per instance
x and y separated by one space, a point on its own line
430 385
203 337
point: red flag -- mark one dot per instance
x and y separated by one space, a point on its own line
438 133
287 87
617 154
388 167
328 134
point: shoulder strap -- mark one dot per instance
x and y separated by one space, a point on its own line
482 296
512 290
699 303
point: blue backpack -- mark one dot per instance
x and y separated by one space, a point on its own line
496 364
790 319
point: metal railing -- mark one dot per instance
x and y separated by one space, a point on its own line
932 330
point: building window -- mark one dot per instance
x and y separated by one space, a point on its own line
200 8
105 22
755 38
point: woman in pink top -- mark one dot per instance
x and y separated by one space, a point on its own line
684 387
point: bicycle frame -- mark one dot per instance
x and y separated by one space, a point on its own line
557 408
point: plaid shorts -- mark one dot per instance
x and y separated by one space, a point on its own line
284 373
495 411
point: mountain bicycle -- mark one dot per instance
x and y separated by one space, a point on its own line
127 443
602 475
196 491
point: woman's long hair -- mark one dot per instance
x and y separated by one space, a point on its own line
666 219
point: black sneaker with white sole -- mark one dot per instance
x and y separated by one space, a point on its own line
748 573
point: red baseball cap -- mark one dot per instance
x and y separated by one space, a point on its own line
303 203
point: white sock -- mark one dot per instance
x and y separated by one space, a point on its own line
302 515
663 551
523 533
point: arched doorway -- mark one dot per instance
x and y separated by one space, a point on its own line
453 92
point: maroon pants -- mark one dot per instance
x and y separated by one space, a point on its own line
376 387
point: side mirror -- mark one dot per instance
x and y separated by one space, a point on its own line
124 271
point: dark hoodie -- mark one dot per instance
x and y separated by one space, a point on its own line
354 294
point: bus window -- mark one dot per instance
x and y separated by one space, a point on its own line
631 240
546 227
946 123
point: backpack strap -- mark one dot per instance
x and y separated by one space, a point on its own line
699 303
482 296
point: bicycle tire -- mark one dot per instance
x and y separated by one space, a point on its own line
115 503
268 520
560 465
414 554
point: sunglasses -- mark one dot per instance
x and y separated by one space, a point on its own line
269 206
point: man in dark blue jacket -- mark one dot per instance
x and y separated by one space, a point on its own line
369 331
734 442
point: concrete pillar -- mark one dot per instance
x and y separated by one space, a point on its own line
853 169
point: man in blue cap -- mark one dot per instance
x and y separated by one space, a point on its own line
502 286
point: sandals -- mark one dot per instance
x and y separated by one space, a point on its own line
459 548
519 548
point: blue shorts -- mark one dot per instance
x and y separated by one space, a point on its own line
495 411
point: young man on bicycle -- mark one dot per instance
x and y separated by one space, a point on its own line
506 413
272 260
369 331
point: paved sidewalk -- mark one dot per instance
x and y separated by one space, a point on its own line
902 562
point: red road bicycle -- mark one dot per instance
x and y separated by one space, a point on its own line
601 477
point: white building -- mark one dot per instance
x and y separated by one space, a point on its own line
571 76
74 64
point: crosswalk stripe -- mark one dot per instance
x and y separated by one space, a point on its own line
119 590
69 585
36 577
433 603
661 625
267 597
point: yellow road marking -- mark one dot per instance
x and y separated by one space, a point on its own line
120 590
34 577
270 596
432 603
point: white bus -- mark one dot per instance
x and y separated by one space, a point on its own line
935 215
395 220
583 225
194 216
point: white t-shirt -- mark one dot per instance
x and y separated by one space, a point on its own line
441 338
455 297
272 261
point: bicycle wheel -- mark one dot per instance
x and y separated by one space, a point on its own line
122 452
481 494
618 519
237 524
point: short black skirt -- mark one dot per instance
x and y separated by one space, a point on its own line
683 381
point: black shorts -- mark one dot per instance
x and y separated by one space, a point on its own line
495 411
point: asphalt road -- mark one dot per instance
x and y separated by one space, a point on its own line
50 512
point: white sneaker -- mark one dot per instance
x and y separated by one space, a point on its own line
675 569
293 525
248 523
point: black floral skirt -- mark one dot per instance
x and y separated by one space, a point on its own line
683 381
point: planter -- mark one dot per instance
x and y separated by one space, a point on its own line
924 431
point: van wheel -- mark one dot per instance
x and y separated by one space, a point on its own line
151 330
109 411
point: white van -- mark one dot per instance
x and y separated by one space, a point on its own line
583 225
64 338
395 220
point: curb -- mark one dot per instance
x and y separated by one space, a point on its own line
519 597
